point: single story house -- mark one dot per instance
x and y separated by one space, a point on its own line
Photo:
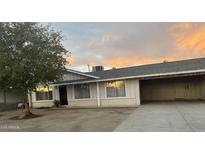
127 87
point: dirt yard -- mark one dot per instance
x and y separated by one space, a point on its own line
66 120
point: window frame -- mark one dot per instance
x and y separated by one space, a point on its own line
36 98
85 98
106 92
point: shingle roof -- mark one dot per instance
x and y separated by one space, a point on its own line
175 67
165 67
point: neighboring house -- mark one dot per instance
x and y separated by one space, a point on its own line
12 99
127 87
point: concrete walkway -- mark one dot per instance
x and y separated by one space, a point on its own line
166 117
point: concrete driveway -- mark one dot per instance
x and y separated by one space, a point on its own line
151 117
166 117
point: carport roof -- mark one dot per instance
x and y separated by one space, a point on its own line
142 71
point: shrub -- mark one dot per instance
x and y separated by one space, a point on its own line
57 103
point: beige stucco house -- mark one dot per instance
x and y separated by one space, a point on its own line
127 87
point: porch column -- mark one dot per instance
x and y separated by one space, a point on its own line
98 94
56 93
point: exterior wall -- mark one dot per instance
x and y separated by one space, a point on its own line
183 88
72 76
11 97
132 98
50 103
43 103
90 102
186 88
87 103
56 95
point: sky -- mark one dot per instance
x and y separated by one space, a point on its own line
130 44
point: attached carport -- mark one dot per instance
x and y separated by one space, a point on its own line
184 88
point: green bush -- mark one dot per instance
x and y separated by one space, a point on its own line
57 103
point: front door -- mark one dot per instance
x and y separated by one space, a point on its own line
63 95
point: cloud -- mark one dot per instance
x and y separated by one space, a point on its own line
133 45
111 37
190 37
128 44
126 61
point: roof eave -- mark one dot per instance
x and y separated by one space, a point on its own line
83 74
136 77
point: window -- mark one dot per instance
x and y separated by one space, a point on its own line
115 89
82 91
44 93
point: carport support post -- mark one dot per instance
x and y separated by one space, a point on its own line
98 94
138 99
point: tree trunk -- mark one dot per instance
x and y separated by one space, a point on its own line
5 99
26 104
30 97
26 113
27 108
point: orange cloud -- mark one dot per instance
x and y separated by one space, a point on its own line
127 61
142 44
189 37
120 62
188 40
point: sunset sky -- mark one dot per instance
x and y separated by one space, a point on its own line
127 44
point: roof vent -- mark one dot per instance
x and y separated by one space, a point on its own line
97 68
